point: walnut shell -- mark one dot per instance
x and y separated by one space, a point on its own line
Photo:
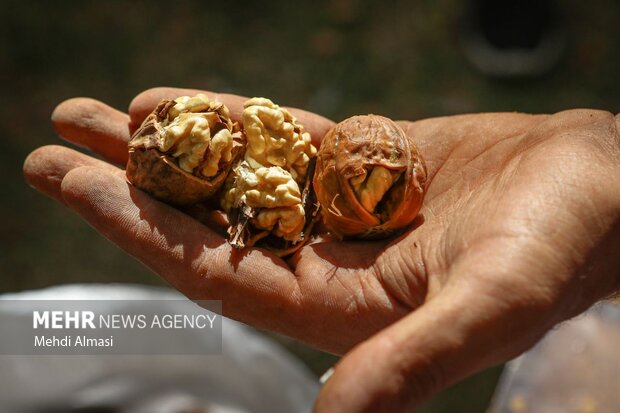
369 179
158 172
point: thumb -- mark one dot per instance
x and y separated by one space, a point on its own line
450 337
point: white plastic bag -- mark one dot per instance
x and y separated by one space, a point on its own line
252 374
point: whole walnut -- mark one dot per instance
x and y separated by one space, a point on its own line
184 150
369 179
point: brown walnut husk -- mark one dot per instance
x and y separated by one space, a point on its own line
369 179
158 172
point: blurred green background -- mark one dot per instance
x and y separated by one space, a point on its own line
403 59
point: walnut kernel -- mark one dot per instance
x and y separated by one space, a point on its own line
267 181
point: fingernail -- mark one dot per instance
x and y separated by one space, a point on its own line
326 375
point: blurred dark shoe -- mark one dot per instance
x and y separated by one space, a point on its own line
513 38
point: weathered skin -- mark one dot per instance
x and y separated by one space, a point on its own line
521 231
351 177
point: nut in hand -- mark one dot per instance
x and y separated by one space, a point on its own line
184 150
268 192
369 179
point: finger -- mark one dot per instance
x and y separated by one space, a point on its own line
94 125
254 286
445 340
146 101
45 168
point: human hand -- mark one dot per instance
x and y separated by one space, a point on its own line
520 220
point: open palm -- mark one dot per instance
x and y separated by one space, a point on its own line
516 234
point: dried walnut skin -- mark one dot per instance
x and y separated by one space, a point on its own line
159 174
348 155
